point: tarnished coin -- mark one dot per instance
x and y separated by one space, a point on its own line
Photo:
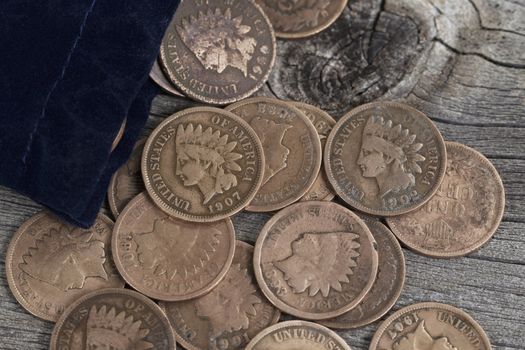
50 264
301 18
158 76
430 326
463 214
385 158
387 287
321 190
127 182
315 260
167 258
218 51
113 319
203 164
230 315
297 335
292 151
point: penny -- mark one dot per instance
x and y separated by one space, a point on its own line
167 258
113 319
301 18
385 158
321 190
297 335
119 135
203 164
463 214
387 287
292 151
315 260
219 51
127 182
430 326
158 76
230 315
50 264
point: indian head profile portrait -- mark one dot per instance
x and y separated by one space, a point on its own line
420 339
276 154
228 306
110 330
218 40
175 248
314 265
389 154
206 159
65 258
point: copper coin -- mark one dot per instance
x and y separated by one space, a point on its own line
315 260
230 315
292 151
167 258
158 76
50 264
218 51
203 164
387 287
301 18
385 158
113 319
119 135
127 182
321 190
297 335
463 214
430 326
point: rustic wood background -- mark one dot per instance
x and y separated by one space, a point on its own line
460 61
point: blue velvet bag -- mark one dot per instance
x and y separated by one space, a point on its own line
71 71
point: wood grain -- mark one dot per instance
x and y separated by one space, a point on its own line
463 63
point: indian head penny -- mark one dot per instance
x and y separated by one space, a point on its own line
387 287
50 264
218 51
292 151
385 158
301 18
230 315
297 335
167 258
127 182
321 190
113 319
315 260
203 164
430 326
463 214
158 76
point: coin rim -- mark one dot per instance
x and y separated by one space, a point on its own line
153 307
10 255
316 30
428 305
189 346
399 281
316 144
193 217
385 213
315 109
112 183
294 323
156 73
157 296
500 209
216 101
288 308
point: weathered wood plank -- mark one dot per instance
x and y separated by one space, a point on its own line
462 62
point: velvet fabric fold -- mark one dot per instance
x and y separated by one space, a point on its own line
71 71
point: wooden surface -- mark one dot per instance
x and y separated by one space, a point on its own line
460 61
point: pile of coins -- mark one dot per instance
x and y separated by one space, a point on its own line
329 264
